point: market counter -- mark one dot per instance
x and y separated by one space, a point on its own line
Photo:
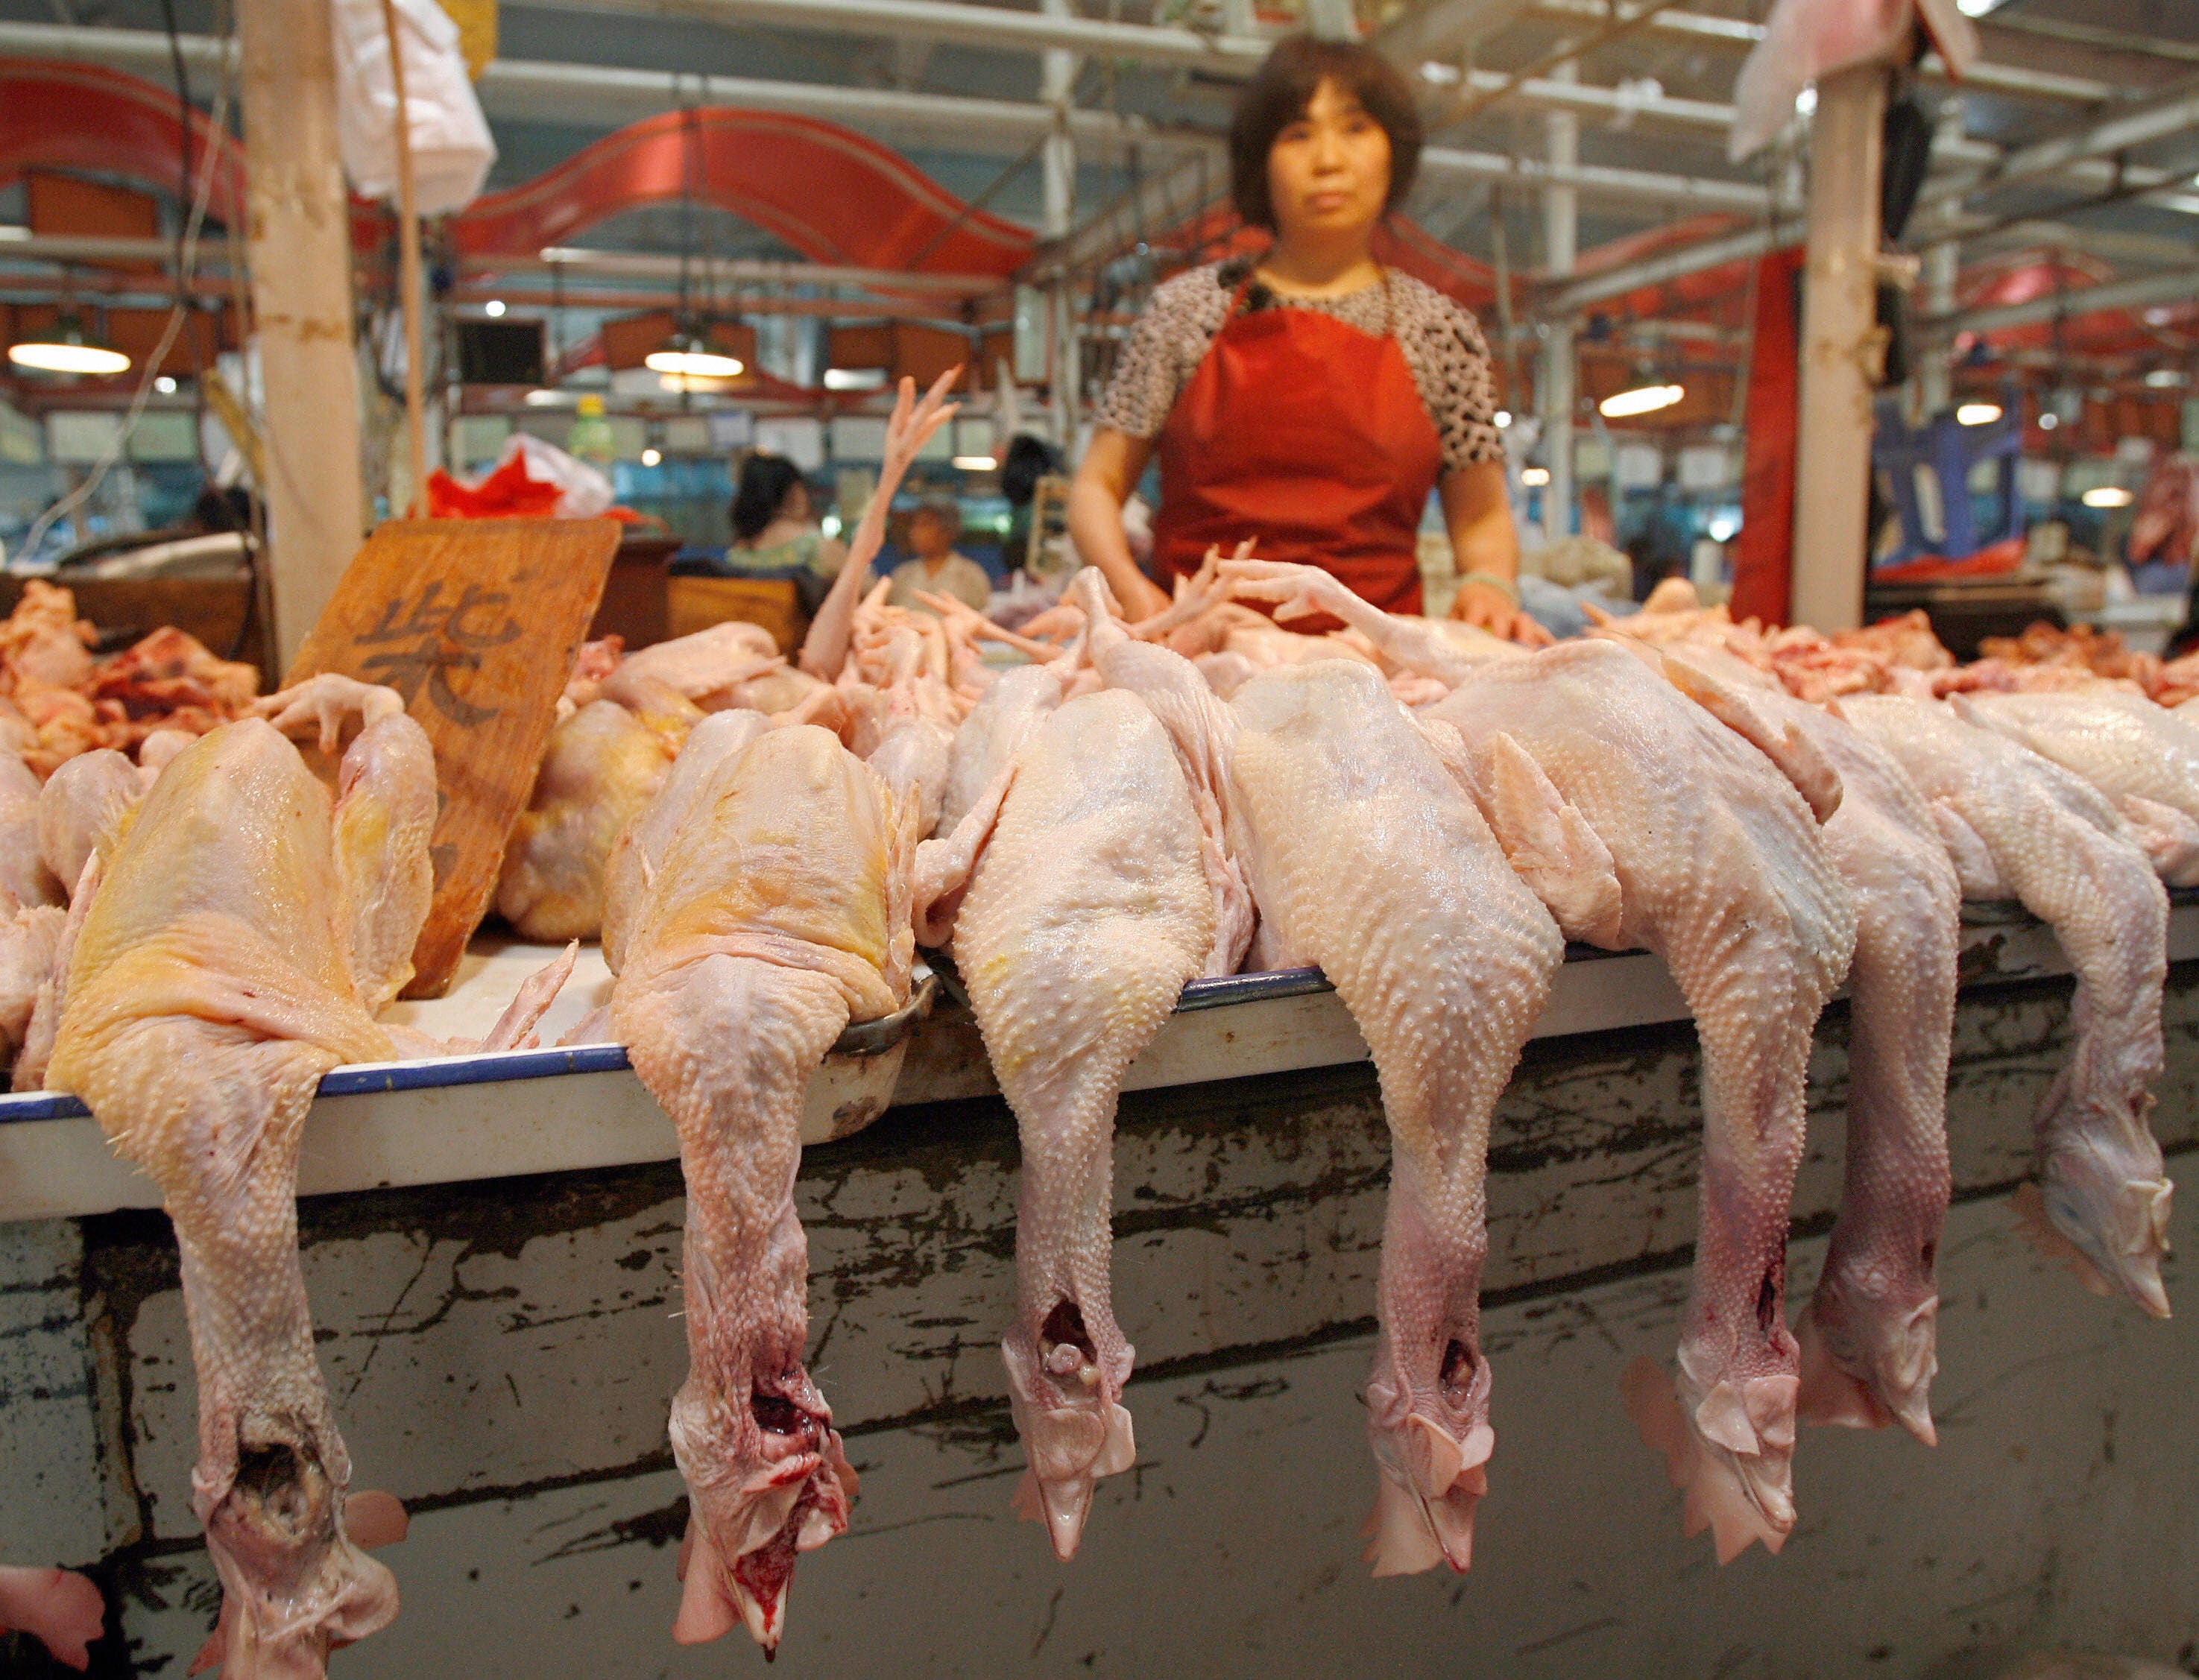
502 1353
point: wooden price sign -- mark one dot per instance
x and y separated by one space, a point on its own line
476 623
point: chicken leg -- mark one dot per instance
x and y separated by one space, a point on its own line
1084 906
778 912
224 966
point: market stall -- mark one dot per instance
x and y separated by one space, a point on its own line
793 853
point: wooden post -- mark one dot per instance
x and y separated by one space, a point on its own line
1558 390
1842 351
408 267
298 239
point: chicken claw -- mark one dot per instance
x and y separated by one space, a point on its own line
326 702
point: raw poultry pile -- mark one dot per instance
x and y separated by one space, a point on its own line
56 700
1423 812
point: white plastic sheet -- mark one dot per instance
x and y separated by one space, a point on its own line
452 151
1806 40
583 492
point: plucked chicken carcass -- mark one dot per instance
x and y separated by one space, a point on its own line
2143 757
779 912
1079 905
1369 859
2020 827
234 949
24 877
604 764
1721 870
1869 1337
60 1608
1367 856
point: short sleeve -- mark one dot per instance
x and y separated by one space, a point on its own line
1455 379
1164 346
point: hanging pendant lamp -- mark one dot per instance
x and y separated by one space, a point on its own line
67 347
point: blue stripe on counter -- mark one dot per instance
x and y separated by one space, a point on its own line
511 1064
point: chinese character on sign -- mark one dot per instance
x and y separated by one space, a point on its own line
432 640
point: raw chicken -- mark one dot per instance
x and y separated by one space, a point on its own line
1869 1337
82 807
779 912
62 1609
235 950
1012 711
1368 857
30 945
1083 908
2145 759
24 877
602 767
639 851
43 643
1720 870
2018 826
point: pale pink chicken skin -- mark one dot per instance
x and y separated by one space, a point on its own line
1869 1336
1012 710
779 912
24 877
1368 858
82 808
62 1609
1721 871
2143 757
601 767
234 950
1081 905
2018 826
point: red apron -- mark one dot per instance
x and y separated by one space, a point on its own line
1308 435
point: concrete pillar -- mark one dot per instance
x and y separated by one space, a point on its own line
1840 353
1560 250
298 240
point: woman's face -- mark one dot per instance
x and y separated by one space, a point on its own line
1328 173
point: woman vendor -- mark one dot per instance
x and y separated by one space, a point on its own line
1309 398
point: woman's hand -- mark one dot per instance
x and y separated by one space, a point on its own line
1489 609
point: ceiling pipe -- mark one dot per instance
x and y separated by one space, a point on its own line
1740 34
970 25
2177 286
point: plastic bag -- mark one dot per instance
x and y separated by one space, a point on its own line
452 151
531 479
1804 42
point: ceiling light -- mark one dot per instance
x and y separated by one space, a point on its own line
545 398
1504 419
1723 527
2107 496
855 379
650 457
65 348
2165 379
1641 399
1534 477
684 353
2159 318
9 230
1977 414
975 462
1805 102
165 386
494 306
1975 8
2048 420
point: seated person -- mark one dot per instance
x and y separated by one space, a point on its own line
937 569
774 528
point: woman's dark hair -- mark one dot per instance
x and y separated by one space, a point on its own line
765 482
1028 460
1278 95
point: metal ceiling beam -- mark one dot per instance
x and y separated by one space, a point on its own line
1598 180
1740 34
522 90
970 25
2081 151
2177 286
1672 266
